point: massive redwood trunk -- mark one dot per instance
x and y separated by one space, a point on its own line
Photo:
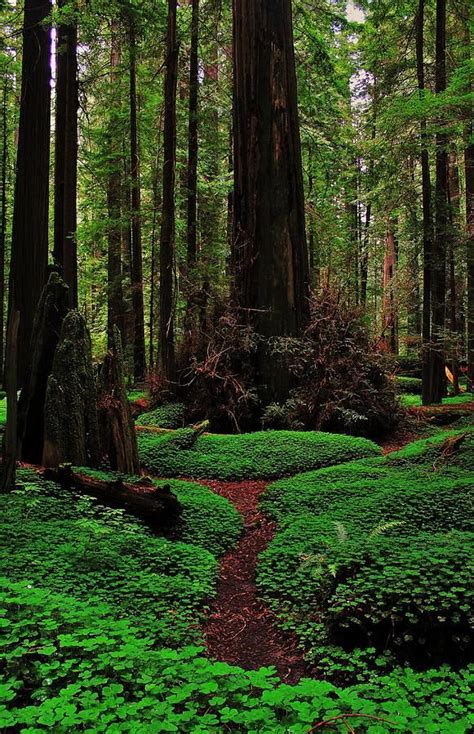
469 175
389 315
29 254
270 259
65 170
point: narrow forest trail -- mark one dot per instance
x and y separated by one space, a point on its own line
240 628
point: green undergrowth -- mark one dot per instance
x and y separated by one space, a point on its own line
3 412
262 455
66 543
414 400
452 449
68 666
165 416
372 562
208 520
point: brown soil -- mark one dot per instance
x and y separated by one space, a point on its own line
240 628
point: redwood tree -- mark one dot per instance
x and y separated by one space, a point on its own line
167 244
270 261
139 358
29 252
66 143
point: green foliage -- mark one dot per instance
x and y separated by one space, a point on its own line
208 520
68 666
371 565
165 416
66 543
261 455
135 395
449 449
408 385
414 401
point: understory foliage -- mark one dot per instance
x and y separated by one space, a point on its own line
338 379
371 564
260 455
71 666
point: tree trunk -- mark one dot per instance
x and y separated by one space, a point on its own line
3 220
167 245
71 432
438 290
427 215
270 259
157 507
115 304
50 314
191 183
389 315
454 195
139 357
9 457
29 254
469 176
66 144
115 416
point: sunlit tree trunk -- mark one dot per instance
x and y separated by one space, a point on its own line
270 259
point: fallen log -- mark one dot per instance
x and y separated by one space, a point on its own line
157 507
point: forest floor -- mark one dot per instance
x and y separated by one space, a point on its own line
240 628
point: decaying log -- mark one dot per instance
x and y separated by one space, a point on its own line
50 314
115 416
71 425
157 507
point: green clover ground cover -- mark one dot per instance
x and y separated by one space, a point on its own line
261 455
73 666
373 560
165 416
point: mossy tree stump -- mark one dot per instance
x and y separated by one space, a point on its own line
71 423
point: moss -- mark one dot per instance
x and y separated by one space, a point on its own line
261 455
165 416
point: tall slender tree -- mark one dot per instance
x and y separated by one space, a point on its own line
66 146
139 357
438 290
115 305
427 212
167 236
270 259
29 253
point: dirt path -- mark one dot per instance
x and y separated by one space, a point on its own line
240 629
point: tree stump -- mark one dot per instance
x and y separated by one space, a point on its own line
115 416
50 314
71 427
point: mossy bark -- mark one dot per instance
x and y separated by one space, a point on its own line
50 314
71 427
115 415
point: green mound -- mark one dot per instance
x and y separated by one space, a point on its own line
449 449
70 666
166 416
372 562
414 400
267 454
68 544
